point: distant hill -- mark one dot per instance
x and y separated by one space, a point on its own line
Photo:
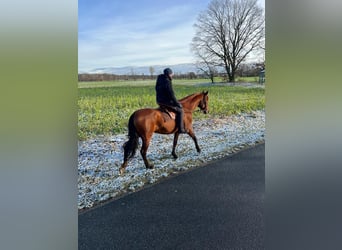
145 70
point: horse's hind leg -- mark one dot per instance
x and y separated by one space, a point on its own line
123 167
145 143
125 161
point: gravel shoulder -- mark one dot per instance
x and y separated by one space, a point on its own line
99 159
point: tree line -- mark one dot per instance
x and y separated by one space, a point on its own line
244 70
86 77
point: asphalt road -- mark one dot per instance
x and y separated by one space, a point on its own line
218 206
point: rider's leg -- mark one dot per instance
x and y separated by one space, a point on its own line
179 120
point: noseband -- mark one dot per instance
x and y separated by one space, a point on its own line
203 105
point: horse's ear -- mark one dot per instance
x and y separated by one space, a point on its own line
205 92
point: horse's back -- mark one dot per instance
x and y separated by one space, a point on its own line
148 114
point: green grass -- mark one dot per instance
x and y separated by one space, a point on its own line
136 83
105 110
153 81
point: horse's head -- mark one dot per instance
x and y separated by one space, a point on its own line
204 103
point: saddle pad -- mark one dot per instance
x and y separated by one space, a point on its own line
167 114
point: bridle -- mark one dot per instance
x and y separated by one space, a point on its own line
203 105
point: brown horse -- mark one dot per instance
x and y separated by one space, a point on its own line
144 122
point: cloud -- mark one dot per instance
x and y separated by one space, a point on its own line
160 37
144 33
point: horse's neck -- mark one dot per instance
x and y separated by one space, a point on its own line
191 102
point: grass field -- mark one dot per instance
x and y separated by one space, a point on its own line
152 82
105 110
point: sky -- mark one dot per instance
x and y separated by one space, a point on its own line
119 33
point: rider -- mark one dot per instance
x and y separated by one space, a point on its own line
166 97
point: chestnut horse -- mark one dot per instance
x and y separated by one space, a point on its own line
144 122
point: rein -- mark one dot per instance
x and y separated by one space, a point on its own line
185 110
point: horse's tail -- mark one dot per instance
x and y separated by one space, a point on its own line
130 147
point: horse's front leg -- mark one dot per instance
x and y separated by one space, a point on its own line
175 140
193 136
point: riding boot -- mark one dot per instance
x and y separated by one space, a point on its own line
180 122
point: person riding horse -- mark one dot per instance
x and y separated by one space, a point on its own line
166 97
144 122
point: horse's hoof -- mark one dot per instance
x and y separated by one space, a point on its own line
150 166
174 156
121 171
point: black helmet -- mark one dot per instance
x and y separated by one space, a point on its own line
168 71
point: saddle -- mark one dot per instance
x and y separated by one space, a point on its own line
167 113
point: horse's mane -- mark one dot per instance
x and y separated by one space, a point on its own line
189 96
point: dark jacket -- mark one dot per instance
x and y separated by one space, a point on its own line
164 91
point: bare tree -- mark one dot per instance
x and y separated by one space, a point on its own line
207 69
227 32
151 71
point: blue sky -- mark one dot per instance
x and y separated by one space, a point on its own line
118 33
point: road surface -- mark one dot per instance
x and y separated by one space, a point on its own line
217 206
